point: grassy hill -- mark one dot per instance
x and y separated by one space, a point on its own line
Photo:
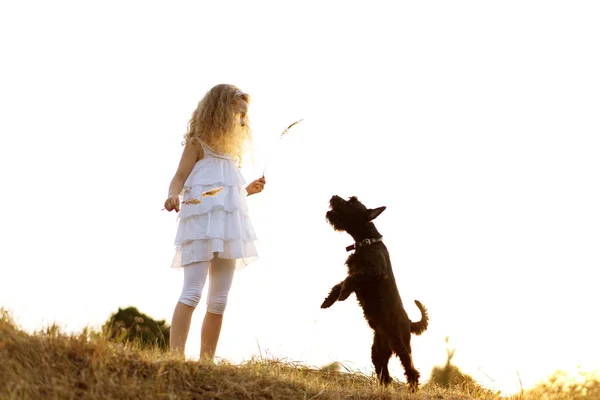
52 365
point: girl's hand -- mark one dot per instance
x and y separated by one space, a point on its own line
172 203
256 186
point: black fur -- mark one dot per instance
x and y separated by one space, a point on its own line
370 276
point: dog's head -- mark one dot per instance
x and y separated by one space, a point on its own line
350 215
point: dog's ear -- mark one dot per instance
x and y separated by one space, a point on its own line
375 213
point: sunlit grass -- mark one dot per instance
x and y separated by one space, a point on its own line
50 364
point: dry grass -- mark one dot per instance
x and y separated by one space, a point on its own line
53 365
208 193
285 132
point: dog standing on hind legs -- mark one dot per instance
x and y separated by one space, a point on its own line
370 276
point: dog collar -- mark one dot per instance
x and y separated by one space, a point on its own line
363 243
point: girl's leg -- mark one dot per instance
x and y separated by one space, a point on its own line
221 278
194 277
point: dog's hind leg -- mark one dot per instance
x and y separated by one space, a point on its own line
403 351
381 352
411 373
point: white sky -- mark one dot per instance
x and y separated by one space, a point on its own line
476 124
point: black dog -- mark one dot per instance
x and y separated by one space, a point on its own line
370 276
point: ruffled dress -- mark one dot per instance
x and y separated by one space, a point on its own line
219 225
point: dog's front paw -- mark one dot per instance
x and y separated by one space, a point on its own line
328 302
332 297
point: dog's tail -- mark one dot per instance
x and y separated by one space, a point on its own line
419 327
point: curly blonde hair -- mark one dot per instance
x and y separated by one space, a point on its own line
216 122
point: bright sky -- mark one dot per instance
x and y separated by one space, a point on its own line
475 123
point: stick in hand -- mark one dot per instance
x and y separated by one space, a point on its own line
196 199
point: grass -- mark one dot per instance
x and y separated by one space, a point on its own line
50 364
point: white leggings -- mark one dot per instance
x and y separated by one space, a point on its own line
221 276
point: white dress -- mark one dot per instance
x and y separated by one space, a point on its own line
220 225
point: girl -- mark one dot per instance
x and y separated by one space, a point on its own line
215 235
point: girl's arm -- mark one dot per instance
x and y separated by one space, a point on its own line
191 154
